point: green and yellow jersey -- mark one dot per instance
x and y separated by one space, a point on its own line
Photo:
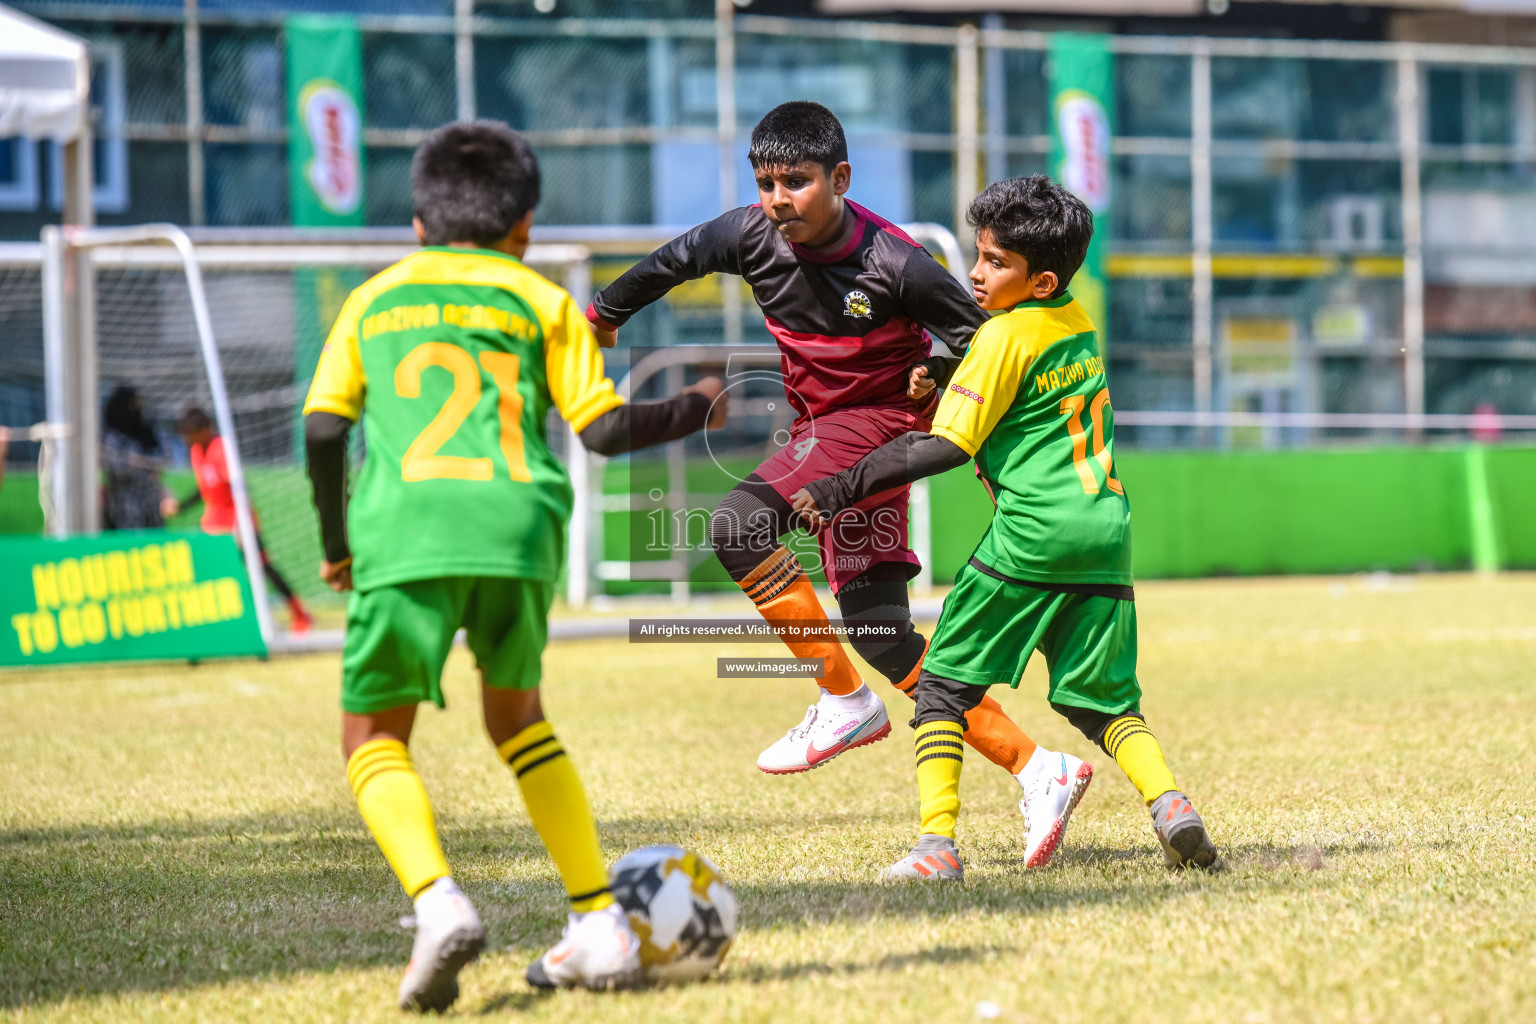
1029 401
452 358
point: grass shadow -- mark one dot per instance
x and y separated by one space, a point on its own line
104 909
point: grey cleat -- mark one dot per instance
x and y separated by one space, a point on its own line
1182 834
934 858
448 936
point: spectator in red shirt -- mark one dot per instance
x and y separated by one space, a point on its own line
211 471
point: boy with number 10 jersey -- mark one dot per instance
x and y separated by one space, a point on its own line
1030 403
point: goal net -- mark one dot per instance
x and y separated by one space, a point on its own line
271 298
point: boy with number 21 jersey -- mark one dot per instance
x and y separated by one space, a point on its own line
453 358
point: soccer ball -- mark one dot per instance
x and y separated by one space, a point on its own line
680 907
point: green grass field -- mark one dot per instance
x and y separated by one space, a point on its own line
179 843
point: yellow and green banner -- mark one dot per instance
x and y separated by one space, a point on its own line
1082 82
124 596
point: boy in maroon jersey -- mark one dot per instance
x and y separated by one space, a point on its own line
848 296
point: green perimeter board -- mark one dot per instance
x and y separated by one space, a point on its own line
1512 481
1249 513
1304 511
125 595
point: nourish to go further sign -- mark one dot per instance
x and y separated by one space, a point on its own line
124 596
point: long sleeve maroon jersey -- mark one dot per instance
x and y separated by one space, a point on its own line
849 323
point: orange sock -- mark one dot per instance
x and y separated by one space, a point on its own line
782 594
988 729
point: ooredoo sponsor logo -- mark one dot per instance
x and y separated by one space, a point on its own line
968 393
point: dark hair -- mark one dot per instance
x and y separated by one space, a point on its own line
471 181
193 420
1038 219
798 132
124 413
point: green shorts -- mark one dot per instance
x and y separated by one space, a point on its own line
398 638
990 627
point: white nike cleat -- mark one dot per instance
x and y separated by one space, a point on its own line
599 950
448 936
1053 784
829 728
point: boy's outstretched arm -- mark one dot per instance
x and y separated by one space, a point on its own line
931 296
643 424
606 424
712 247
912 456
325 443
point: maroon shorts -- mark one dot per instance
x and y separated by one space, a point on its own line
874 530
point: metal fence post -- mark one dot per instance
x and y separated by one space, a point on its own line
1202 289
464 57
1409 139
920 512
967 126
578 564
77 344
56 379
676 501
192 55
585 530
995 94
725 121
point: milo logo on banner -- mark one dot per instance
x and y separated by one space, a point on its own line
335 128
124 596
1083 125
1082 79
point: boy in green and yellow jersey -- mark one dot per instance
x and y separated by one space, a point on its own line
453 359
1053 573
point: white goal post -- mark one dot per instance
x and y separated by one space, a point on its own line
150 262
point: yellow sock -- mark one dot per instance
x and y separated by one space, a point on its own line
940 755
557 803
396 810
988 729
1128 740
782 594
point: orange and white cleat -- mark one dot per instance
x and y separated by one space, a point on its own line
933 859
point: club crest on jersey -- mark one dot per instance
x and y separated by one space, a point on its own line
856 303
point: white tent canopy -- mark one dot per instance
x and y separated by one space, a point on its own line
45 80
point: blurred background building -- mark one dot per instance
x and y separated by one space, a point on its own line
1257 248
